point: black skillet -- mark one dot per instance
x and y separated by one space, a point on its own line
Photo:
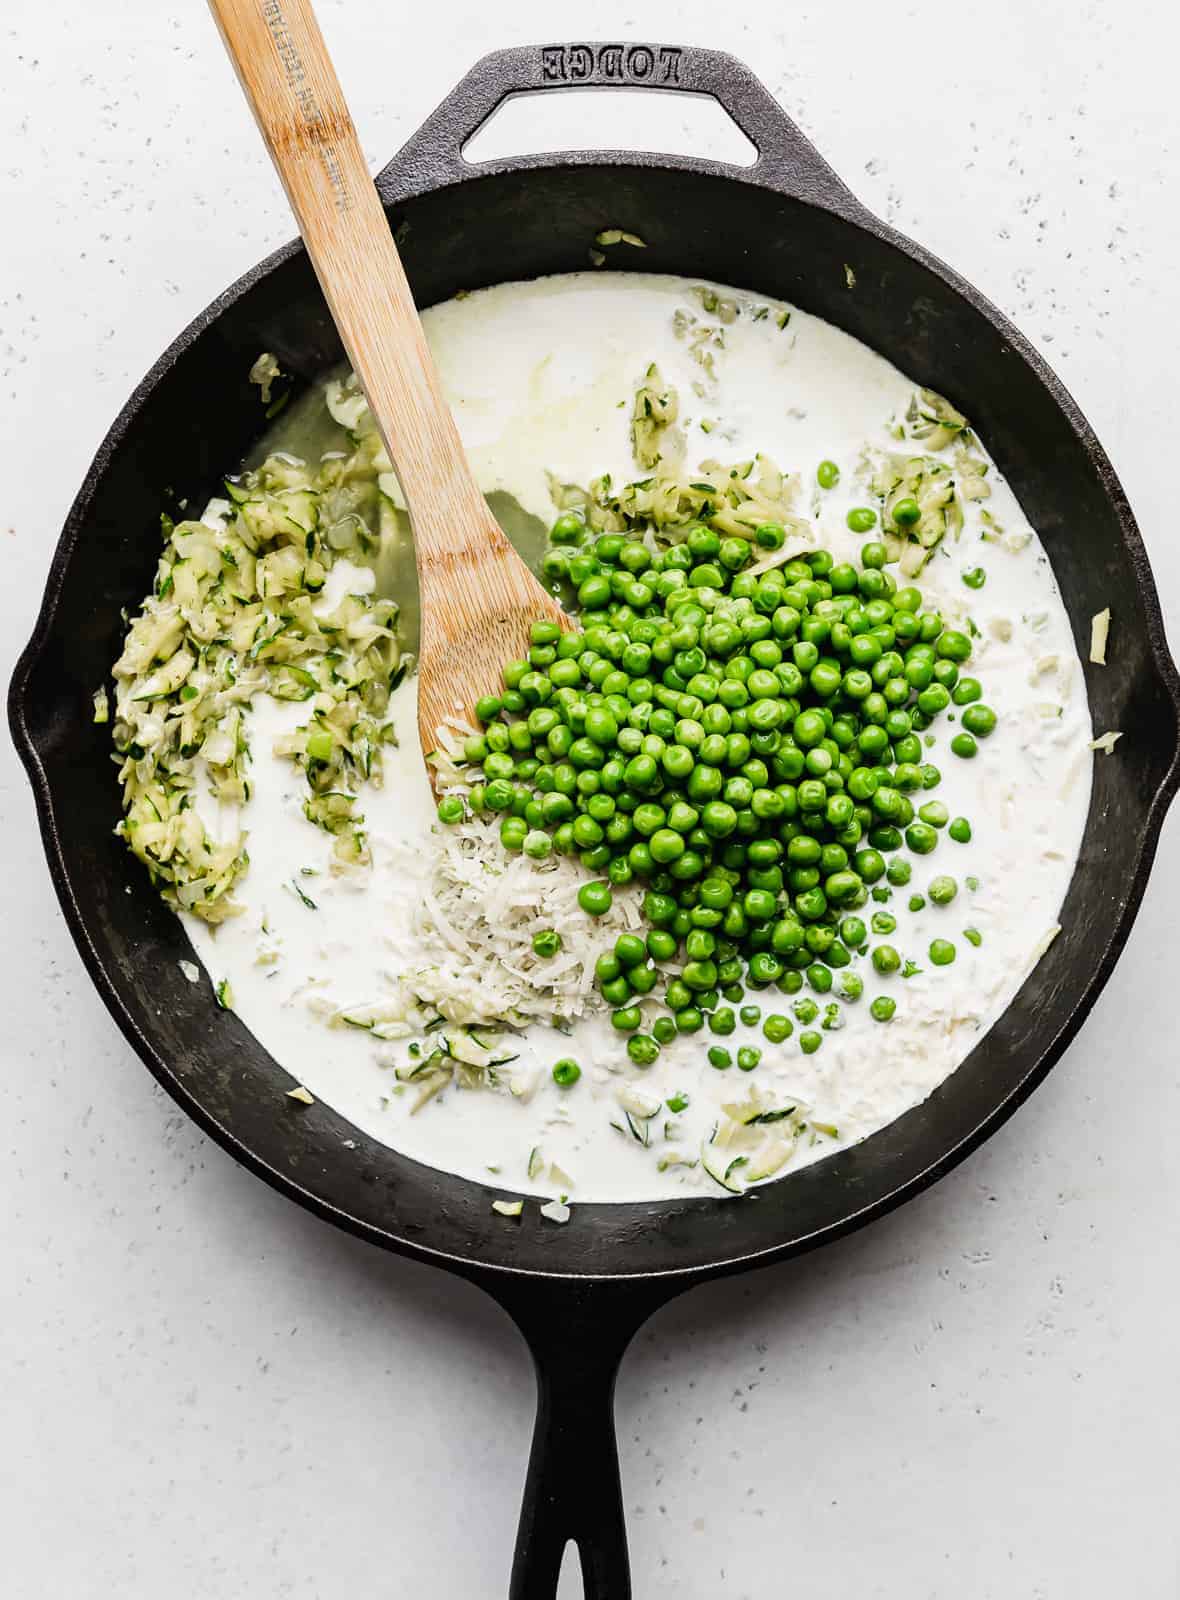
786 227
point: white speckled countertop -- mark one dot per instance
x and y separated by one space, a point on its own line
207 1393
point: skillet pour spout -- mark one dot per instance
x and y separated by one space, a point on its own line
785 226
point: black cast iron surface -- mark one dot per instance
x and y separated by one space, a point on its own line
786 227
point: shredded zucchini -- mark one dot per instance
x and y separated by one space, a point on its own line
233 613
734 499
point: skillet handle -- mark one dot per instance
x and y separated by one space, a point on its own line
787 161
577 1334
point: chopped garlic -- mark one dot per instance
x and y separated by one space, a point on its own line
1099 631
1000 628
1106 742
508 1208
304 1097
523 1085
191 971
638 1102
556 1211
264 372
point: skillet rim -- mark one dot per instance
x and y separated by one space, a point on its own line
425 181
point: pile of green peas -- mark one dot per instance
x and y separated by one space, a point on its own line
748 747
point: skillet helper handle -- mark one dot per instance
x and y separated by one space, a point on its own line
787 160
577 1336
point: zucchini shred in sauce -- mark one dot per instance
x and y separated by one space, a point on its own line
265 715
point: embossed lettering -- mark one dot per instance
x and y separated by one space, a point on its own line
669 65
607 63
552 63
610 61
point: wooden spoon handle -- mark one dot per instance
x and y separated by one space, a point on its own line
286 72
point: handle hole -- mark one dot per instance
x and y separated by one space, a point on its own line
569 1582
610 119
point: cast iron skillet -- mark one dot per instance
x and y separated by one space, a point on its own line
788 227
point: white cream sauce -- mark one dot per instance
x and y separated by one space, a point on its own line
541 376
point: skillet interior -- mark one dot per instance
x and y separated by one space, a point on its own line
196 415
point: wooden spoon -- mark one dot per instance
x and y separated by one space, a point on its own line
477 597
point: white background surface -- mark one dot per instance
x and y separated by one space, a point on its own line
205 1392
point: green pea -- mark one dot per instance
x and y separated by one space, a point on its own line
827 474
630 950
513 833
719 1057
819 977
699 975
953 646
722 1021
964 746
689 1020
776 1028
851 985
616 991
921 838
883 1008
885 959
960 830
979 720
450 809
568 529
861 518
547 943
666 846
643 1049
809 1040
663 1031
626 1019
870 864
942 890
853 932
906 512
942 952
748 1058
973 936
765 967
966 691
566 1072
595 898
601 725
933 699
975 577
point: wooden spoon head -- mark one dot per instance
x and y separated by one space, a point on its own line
478 603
